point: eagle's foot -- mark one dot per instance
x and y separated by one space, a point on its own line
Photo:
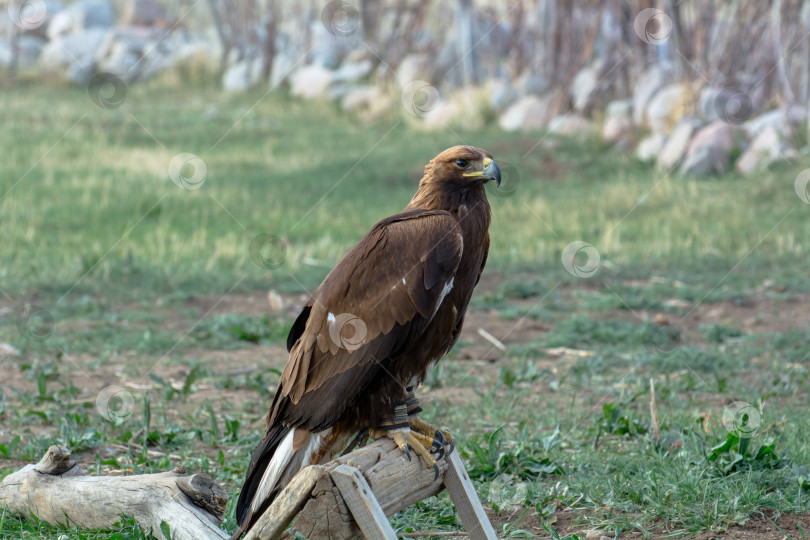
442 440
408 440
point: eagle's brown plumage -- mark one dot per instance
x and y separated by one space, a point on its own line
403 290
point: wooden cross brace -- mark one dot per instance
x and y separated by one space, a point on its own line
351 496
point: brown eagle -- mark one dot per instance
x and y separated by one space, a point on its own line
392 306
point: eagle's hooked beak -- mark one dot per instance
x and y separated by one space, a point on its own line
491 171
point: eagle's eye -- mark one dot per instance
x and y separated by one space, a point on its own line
462 163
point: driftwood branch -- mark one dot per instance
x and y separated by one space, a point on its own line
56 490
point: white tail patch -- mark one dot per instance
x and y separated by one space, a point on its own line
447 288
313 445
274 470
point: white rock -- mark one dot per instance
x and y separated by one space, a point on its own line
677 144
718 134
143 13
501 94
52 7
766 148
337 90
709 151
358 55
772 119
311 81
462 106
531 84
137 38
645 88
619 108
707 102
329 50
60 25
242 75
30 47
616 129
569 125
362 97
443 113
410 69
80 16
154 62
618 126
704 161
5 55
649 147
283 66
796 114
82 49
666 106
353 71
121 61
527 113
583 86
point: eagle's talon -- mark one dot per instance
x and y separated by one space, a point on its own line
435 472
439 436
442 444
408 440
438 445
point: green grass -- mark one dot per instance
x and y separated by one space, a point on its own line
127 266
70 167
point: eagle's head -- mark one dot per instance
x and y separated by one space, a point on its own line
462 166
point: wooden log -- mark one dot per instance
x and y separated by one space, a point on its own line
361 501
56 490
395 481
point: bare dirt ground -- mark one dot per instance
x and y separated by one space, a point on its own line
765 527
757 314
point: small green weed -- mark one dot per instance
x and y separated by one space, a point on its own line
525 457
735 455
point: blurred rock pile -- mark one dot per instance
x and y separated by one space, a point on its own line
713 93
82 39
679 120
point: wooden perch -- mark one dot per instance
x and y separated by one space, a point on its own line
364 487
395 481
56 490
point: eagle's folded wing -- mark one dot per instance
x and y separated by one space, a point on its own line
375 302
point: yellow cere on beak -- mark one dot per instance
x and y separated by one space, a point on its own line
489 169
485 164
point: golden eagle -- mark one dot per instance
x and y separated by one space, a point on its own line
392 306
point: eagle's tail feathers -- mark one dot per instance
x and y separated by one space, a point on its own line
293 451
272 474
